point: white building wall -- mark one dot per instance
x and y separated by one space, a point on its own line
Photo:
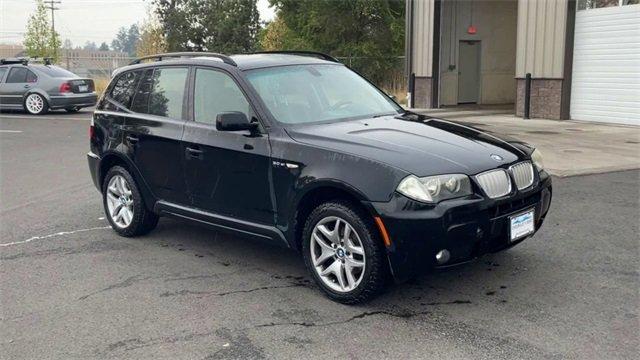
541 38
423 37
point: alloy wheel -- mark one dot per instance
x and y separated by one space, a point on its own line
337 254
120 201
34 103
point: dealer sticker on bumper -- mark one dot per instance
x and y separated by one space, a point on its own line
522 225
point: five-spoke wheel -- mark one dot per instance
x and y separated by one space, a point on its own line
344 252
337 254
123 204
119 201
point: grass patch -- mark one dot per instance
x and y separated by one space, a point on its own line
101 84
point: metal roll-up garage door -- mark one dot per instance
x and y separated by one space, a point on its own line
606 65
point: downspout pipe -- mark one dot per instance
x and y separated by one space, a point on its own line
409 51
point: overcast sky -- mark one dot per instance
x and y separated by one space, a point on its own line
84 20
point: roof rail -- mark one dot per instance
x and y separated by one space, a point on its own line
160 57
317 54
20 60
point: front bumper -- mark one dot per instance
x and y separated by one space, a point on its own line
467 228
73 100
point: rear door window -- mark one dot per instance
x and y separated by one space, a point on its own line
124 88
2 72
167 92
21 75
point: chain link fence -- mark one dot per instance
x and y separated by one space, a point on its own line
97 65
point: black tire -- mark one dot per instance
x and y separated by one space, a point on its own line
376 271
143 220
72 110
45 107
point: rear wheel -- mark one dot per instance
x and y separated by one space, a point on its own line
36 104
343 253
124 206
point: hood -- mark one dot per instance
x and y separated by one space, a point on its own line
423 148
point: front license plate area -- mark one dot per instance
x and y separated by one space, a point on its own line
521 225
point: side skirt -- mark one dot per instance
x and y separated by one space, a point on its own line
224 223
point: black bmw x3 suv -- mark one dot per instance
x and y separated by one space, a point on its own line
297 149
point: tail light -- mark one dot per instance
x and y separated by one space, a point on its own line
65 87
92 132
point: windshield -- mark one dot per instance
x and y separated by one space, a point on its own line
55 71
312 93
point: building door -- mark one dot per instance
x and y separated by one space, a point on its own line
469 72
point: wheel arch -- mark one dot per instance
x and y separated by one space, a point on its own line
112 159
320 192
47 98
38 91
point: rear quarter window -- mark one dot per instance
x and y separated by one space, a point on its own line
2 72
124 88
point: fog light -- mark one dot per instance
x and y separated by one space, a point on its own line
443 256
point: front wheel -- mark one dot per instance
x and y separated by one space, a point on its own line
124 206
36 104
343 252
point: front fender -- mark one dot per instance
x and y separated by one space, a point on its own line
298 169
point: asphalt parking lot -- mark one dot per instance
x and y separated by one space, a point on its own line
71 288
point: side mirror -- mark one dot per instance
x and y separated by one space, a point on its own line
234 121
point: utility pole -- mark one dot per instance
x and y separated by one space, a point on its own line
51 5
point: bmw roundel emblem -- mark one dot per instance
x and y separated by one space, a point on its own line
496 157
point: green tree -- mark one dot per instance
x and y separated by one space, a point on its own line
127 39
104 47
152 39
276 35
228 26
371 32
39 39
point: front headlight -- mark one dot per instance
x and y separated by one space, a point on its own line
536 157
435 188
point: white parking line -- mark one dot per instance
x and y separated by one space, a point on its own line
62 233
10 131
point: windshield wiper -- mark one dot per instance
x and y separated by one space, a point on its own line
411 116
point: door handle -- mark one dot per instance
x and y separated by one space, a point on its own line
27 86
194 153
132 139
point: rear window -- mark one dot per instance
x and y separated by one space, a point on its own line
54 71
124 88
